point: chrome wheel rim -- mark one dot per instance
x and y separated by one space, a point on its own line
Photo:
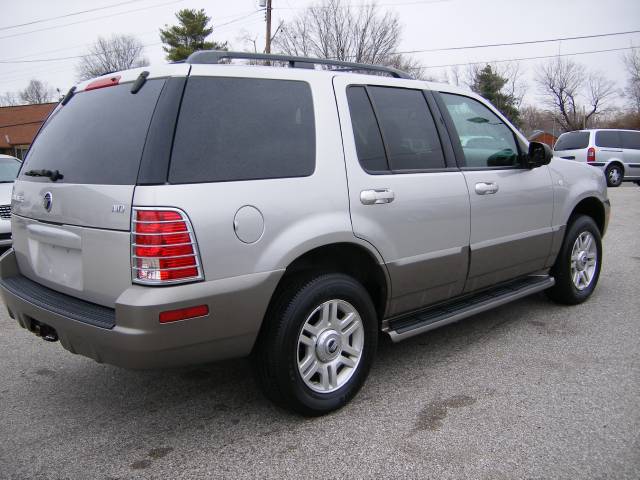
614 175
330 346
584 260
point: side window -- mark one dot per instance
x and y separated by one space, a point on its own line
365 131
242 129
608 139
398 135
408 129
485 139
630 140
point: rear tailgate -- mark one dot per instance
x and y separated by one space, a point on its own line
73 234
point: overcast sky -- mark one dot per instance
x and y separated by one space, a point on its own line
426 24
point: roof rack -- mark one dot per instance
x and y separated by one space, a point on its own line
214 56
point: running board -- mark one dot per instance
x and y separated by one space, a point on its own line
407 326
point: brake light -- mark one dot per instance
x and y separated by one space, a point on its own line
163 247
591 155
103 82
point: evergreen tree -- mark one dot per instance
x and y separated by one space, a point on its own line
489 84
189 35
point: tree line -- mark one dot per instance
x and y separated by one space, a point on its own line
573 97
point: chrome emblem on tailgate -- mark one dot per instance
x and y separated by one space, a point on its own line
47 201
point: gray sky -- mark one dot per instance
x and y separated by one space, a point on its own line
427 24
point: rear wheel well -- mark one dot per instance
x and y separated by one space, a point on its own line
592 207
346 258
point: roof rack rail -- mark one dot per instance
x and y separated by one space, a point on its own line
214 56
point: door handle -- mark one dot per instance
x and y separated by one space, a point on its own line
377 196
486 188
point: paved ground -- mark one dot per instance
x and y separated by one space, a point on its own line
530 390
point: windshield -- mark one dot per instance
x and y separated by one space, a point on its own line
8 169
96 138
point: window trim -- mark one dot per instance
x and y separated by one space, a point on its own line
449 164
457 146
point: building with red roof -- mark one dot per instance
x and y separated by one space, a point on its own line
19 125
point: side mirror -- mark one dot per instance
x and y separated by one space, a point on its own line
539 154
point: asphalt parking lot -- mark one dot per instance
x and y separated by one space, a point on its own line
530 390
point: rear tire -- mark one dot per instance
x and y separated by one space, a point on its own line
318 344
614 174
577 267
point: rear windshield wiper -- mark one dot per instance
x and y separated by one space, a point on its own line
53 175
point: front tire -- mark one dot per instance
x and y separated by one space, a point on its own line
577 267
614 174
318 344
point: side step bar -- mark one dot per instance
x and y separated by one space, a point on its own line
406 326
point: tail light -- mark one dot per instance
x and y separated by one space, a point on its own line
591 155
163 247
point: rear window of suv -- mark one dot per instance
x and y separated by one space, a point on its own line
572 141
96 138
243 129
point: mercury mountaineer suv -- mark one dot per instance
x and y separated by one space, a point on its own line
289 212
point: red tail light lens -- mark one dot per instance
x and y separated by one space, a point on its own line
163 247
591 155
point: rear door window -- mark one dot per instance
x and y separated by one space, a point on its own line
608 138
366 133
630 140
96 138
243 129
408 129
572 141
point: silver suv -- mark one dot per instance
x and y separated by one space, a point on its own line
207 210
616 152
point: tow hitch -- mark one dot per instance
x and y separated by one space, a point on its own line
45 331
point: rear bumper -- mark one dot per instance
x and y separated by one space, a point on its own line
135 338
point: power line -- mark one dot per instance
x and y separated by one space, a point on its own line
523 58
90 19
365 5
528 42
80 12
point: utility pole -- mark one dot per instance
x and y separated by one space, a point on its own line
267 44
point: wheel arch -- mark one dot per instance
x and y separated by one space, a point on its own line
349 258
592 207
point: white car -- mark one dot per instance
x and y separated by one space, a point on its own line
616 152
9 167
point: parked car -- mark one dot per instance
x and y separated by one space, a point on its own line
204 211
616 152
9 167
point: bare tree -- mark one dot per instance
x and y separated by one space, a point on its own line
632 90
36 92
334 30
575 96
106 55
9 99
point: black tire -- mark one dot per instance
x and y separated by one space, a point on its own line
276 354
617 172
565 291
